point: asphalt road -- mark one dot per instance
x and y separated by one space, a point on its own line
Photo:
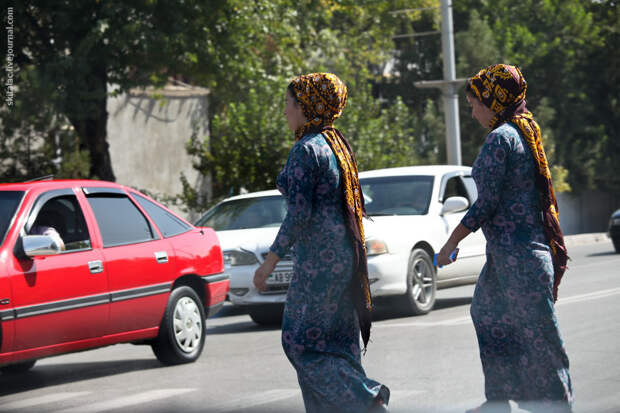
430 362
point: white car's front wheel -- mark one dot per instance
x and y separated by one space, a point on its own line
421 283
266 314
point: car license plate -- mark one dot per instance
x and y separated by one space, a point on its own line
616 221
280 277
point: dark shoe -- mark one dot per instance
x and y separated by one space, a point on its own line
495 406
379 404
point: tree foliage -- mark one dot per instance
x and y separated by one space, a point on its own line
248 142
567 51
246 52
68 52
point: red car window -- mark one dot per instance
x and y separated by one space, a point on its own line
120 221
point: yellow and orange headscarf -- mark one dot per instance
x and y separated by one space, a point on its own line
322 97
502 89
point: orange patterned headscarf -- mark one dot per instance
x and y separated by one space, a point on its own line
502 89
322 97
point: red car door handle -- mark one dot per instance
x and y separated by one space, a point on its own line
95 267
161 257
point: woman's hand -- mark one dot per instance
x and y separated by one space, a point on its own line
266 268
443 257
460 232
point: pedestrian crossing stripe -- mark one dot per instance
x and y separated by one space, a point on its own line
126 401
41 400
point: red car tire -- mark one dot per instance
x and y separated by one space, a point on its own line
182 332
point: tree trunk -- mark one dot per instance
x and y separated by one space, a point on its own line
91 127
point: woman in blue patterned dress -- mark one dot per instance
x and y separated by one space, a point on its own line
328 300
522 353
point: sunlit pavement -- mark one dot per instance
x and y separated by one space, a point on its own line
430 362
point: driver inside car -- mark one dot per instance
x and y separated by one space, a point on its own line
46 224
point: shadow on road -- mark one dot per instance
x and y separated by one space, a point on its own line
239 327
603 254
384 310
52 375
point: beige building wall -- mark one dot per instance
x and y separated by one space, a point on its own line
148 131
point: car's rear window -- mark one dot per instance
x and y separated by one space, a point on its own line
9 201
397 195
168 224
258 212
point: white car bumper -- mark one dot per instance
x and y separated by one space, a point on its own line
387 274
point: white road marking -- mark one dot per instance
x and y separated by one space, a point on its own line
36 401
448 322
123 402
281 394
467 319
254 400
588 296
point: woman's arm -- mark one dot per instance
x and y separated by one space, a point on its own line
490 177
492 170
302 170
460 232
302 167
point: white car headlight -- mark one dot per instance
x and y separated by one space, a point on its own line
237 257
615 221
376 247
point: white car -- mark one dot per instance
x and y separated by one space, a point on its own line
412 211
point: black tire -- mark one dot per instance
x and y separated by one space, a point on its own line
616 242
18 368
421 284
185 307
267 314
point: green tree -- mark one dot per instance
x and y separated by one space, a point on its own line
558 45
68 52
248 140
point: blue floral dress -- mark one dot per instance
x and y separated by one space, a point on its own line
522 353
320 331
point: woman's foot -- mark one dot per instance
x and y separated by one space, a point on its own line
379 404
495 406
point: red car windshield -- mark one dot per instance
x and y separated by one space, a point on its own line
9 201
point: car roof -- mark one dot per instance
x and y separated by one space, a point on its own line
57 184
271 192
414 170
400 171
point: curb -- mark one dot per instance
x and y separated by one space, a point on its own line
583 239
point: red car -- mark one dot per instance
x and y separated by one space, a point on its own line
85 264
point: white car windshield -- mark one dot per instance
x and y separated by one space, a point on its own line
397 195
256 212
9 200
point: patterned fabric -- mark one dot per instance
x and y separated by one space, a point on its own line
320 330
502 89
522 353
322 97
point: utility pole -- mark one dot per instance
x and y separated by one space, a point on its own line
448 86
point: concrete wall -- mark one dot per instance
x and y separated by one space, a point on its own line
588 212
147 138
